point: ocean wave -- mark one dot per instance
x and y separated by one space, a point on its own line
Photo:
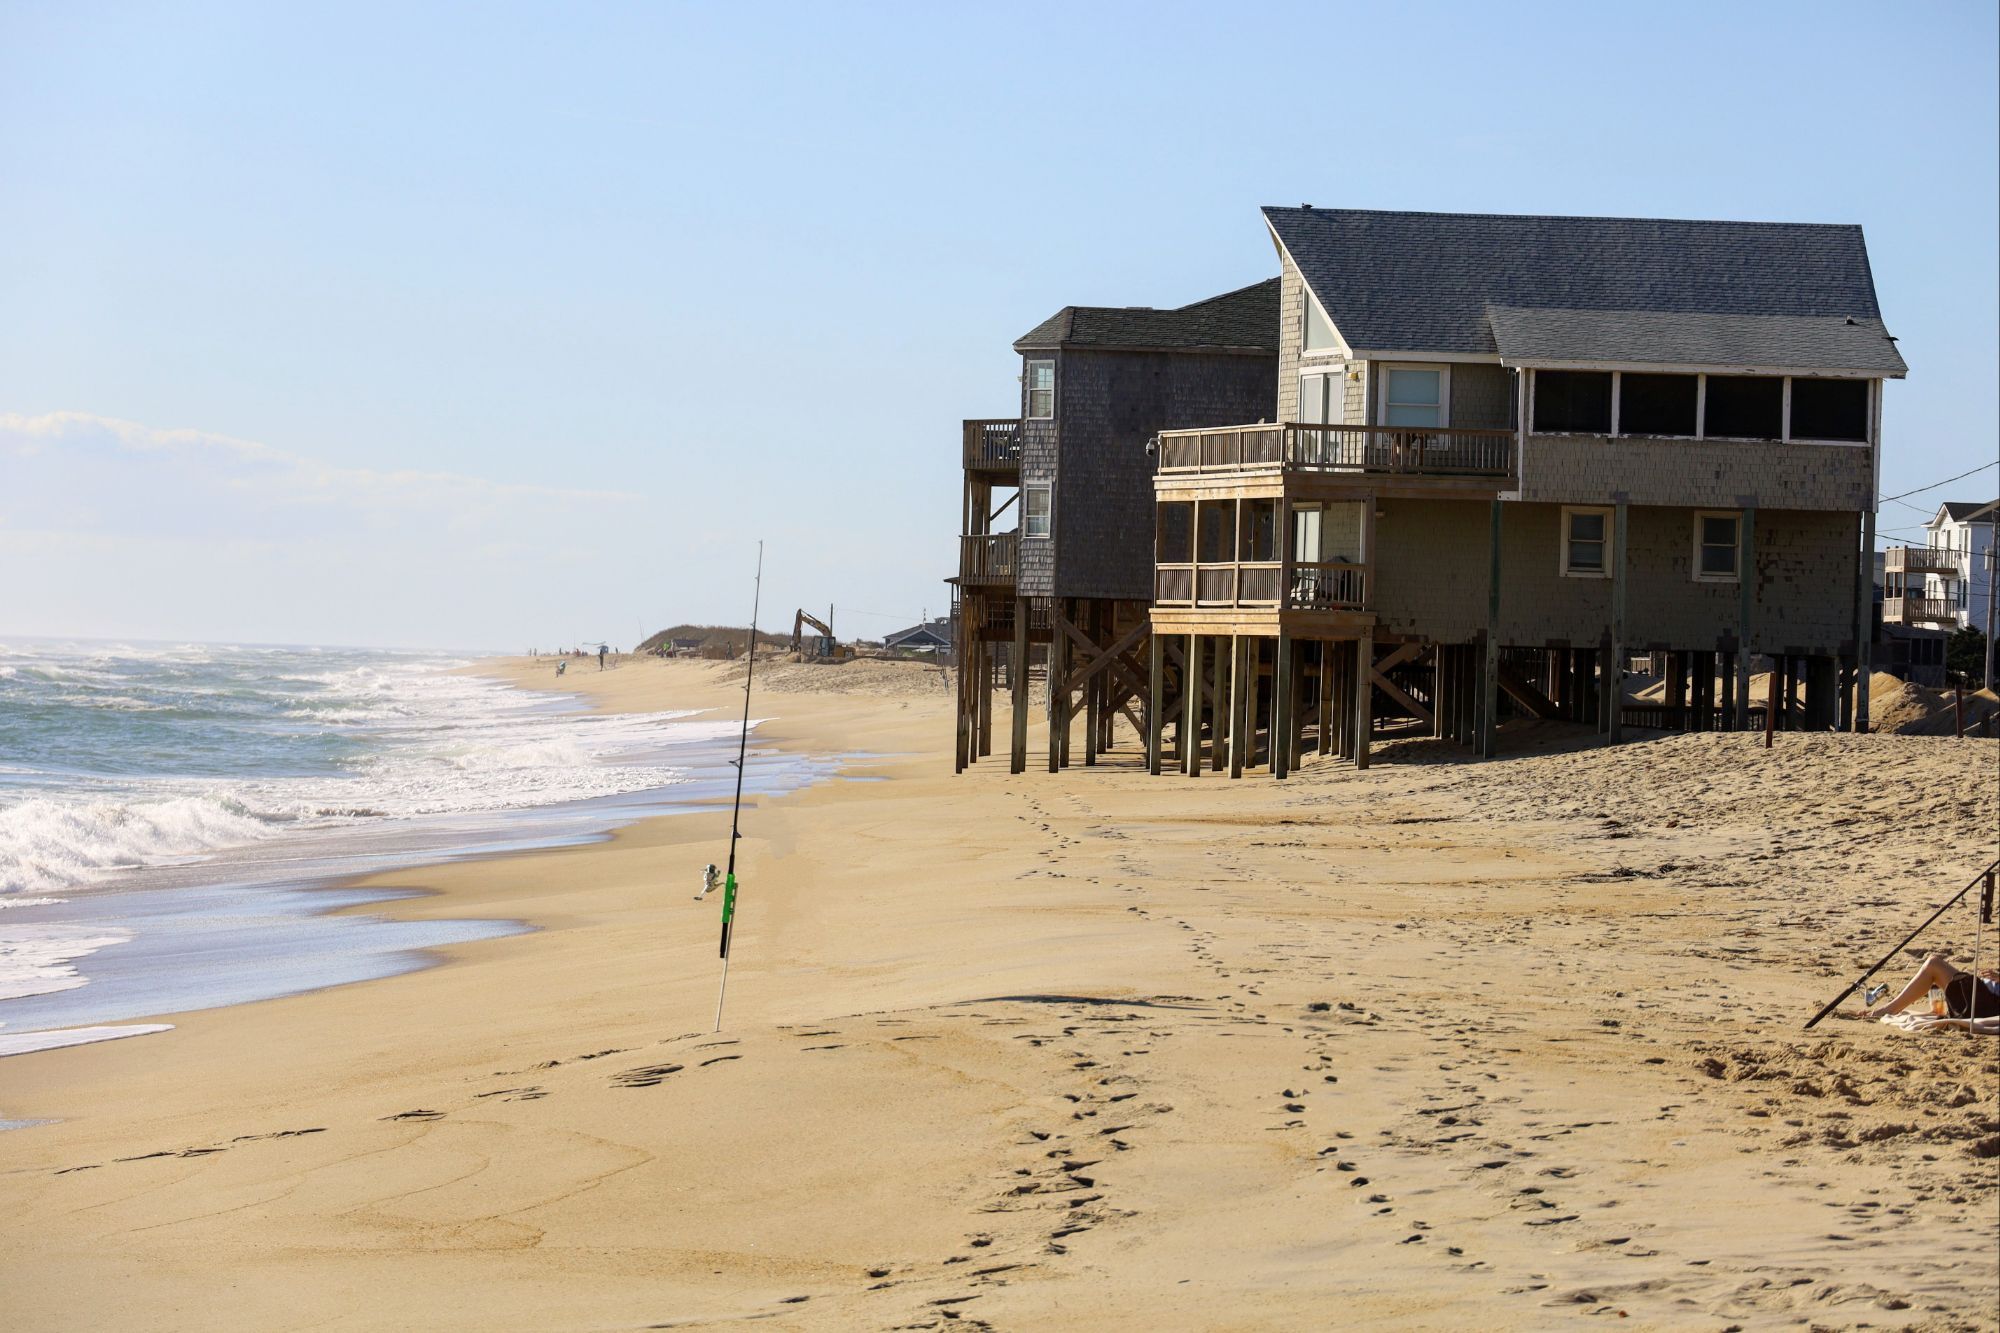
53 844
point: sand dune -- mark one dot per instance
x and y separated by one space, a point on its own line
1496 1045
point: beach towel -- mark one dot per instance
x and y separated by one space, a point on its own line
1907 1022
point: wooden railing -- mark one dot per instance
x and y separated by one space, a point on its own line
1919 611
1921 560
988 558
993 444
1173 585
1331 585
1399 450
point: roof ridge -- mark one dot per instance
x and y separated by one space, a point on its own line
1547 217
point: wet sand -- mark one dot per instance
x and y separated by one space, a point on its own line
1442 1044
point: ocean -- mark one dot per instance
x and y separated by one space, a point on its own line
175 818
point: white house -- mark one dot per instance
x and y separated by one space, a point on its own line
1965 528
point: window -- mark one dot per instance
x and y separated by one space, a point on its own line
1036 502
1316 398
1656 404
1716 544
1586 543
1414 396
1318 332
1573 402
1745 407
1830 410
1041 389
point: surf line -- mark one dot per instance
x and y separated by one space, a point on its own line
736 815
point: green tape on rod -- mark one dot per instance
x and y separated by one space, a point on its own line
728 899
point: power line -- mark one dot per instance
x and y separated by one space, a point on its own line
1946 482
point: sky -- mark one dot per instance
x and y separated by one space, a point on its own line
489 326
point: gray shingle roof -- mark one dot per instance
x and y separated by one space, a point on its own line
1245 319
1960 510
1423 282
1795 342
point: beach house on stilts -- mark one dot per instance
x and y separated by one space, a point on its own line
1069 581
1507 454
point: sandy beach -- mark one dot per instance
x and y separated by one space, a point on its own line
1440 1045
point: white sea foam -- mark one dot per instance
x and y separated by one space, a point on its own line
20 1043
38 959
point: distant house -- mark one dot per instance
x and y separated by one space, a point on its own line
931 636
1956 564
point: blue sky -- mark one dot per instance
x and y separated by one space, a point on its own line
490 325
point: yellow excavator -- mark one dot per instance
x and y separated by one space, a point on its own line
821 647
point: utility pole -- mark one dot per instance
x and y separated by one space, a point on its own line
1992 516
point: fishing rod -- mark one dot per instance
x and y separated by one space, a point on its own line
1984 877
736 815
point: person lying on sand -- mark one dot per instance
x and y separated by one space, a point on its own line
1970 1000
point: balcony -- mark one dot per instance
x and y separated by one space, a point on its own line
1921 560
1938 612
1330 585
1399 451
988 559
993 445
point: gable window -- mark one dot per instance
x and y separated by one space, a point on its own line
1745 407
1318 335
1830 410
1657 404
1037 499
1573 402
1041 390
1586 550
1415 395
1717 546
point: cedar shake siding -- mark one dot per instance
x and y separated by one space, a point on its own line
1110 404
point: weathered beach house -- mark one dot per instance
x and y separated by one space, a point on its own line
1073 575
1516 451
1504 456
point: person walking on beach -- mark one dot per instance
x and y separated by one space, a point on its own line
600 656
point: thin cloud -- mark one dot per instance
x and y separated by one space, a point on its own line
247 466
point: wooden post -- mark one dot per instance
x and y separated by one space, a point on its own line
1018 759
1326 705
1439 692
1616 730
1240 729
1958 709
1283 696
1728 675
1093 691
1864 616
1771 702
1059 667
1489 685
1295 727
1218 709
1677 688
1746 575
1191 709
1343 709
1364 696
1156 685
987 658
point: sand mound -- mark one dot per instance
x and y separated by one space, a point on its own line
879 676
1904 708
